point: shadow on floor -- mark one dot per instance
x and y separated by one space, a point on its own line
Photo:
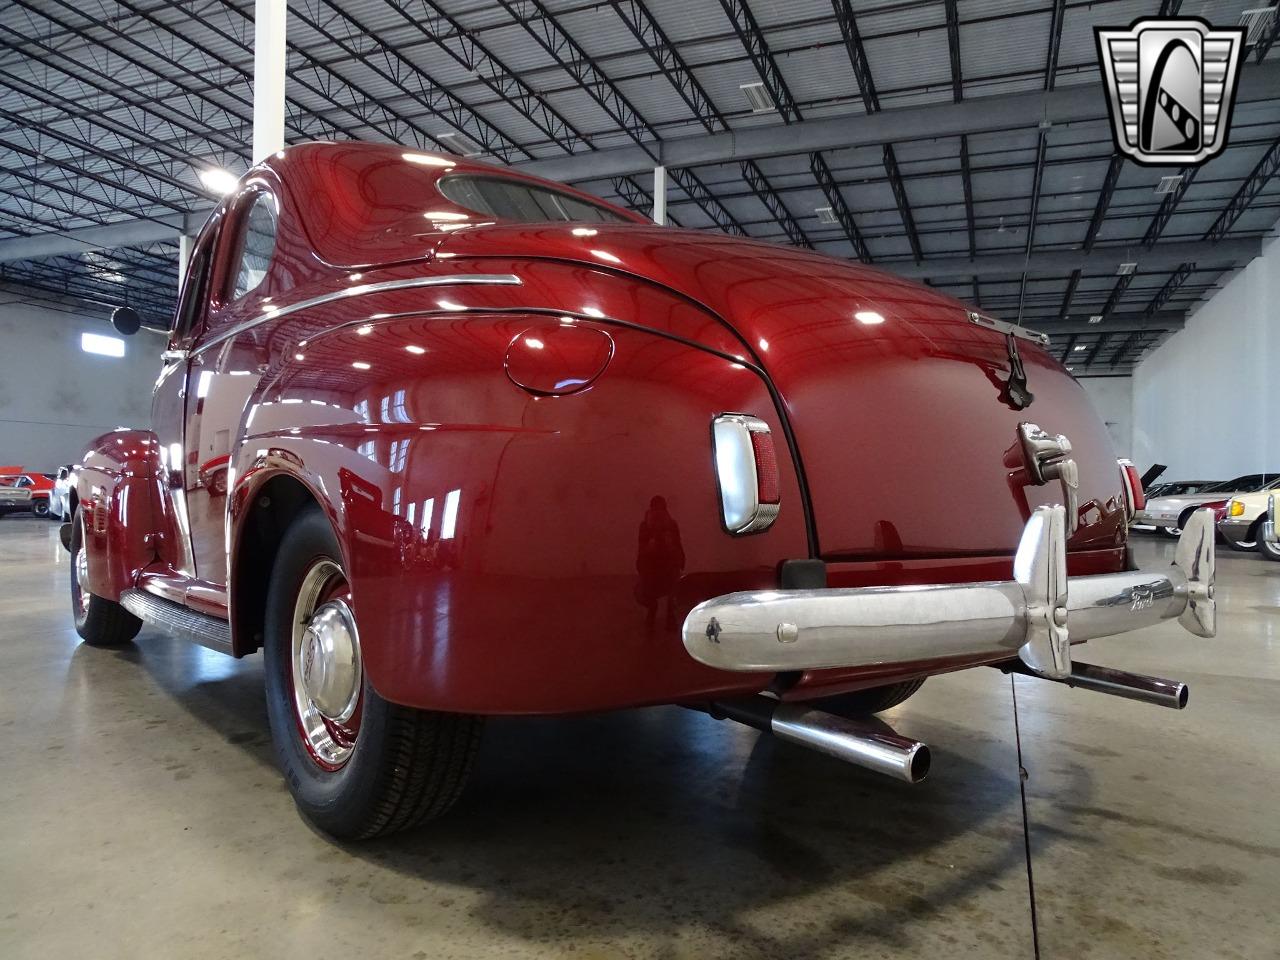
648 821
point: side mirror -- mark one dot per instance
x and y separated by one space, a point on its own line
126 321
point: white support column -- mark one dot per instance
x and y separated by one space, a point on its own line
185 243
660 196
269 18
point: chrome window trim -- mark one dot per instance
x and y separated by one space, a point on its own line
991 323
504 279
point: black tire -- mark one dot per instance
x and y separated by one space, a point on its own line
404 767
99 621
863 703
1247 546
40 508
1270 551
1171 532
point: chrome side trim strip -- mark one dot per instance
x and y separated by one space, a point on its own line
1002 326
407 283
179 621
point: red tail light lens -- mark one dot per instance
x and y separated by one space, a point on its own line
766 465
1134 495
746 472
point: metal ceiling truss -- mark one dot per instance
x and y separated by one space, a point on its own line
637 198
125 98
350 35
654 41
435 24
871 101
664 55
1258 178
840 209
546 30
777 209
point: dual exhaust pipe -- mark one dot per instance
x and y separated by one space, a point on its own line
873 745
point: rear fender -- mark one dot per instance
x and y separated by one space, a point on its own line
117 489
510 550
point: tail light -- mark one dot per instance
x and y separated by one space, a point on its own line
746 472
1135 498
1219 508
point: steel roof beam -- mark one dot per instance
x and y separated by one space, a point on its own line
1258 178
130 233
655 42
840 209
857 52
473 56
542 25
1012 111
1118 323
777 209
1101 261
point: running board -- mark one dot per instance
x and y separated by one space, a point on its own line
180 621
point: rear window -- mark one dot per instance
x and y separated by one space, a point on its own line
505 199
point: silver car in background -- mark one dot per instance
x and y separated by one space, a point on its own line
1169 514
60 499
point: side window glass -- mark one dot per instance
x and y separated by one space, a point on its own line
258 242
194 290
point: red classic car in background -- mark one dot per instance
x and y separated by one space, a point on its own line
445 441
21 490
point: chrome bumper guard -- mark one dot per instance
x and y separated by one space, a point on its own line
1035 617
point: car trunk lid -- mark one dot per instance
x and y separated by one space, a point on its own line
895 395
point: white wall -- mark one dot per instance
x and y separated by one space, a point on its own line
1113 399
1207 401
54 397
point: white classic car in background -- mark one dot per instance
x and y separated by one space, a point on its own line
60 498
1169 514
1244 518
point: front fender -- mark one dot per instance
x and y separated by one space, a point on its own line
117 489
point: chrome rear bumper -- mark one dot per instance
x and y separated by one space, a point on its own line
1036 616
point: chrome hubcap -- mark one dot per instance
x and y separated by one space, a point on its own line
327 674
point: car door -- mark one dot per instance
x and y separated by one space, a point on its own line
233 356
169 405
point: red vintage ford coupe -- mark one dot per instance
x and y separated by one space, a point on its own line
445 441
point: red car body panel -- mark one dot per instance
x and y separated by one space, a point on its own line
498 504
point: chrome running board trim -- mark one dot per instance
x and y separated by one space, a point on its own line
178 620
1035 616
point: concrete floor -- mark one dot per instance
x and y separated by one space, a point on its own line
142 815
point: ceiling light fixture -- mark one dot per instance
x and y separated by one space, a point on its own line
825 214
1096 318
1169 184
460 144
216 180
757 97
1126 268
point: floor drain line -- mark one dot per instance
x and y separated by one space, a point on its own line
1026 822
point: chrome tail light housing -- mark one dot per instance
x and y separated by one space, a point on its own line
746 467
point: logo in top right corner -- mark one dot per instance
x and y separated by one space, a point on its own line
1171 84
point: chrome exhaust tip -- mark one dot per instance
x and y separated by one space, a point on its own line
871 745
1131 686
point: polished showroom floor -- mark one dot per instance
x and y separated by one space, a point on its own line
142 817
